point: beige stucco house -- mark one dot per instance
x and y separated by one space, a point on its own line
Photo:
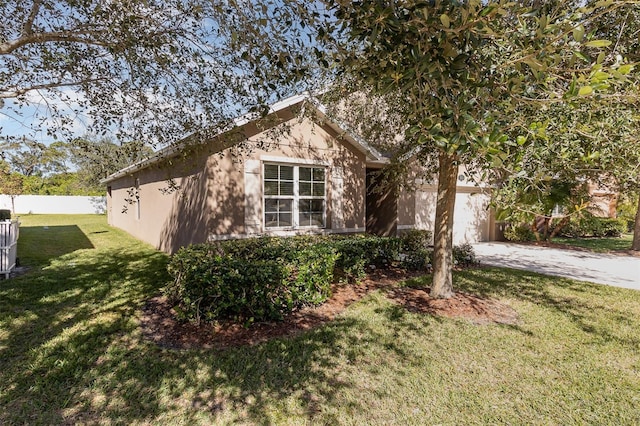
314 178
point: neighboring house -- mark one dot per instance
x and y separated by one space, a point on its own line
604 201
315 178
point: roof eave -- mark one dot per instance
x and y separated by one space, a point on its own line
371 154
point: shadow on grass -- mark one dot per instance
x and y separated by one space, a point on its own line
71 351
244 383
585 304
38 245
55 322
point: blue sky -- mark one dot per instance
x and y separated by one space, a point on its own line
35 120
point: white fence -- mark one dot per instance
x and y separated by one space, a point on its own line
55 204
9 233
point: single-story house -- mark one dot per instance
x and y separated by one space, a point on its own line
316 177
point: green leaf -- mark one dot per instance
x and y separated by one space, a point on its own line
600 76
585 90
598 43
487 10
578 33
581 56
625 69
446 22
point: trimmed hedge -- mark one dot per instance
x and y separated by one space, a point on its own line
593 226
518 233
211 285
265 278
5 214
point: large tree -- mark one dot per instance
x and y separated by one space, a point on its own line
453 71
155 70
592 137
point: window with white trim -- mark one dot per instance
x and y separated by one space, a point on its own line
294 196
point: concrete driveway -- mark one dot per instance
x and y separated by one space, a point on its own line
610 269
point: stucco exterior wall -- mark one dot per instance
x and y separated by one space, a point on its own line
219 195
163 217
406 210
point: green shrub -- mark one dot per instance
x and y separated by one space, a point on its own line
416 250
518 233
416 239
464 255
262 285
417 260
611 227
265 278
592 226
5 214
312 269
360 252
627 207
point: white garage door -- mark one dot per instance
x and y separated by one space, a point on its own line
471 220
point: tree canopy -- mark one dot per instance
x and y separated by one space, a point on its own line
456 74
152 71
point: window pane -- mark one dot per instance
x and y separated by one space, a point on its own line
304 205
305 188
317 206
286 172
285 205
318 174
304 219
318 189
270 188
285 219
305 173
270 171
317 219
270 205
286 188
271 220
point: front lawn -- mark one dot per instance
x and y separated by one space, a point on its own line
598 244
71 350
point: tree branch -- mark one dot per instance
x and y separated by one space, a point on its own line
8 94
9 47
27 29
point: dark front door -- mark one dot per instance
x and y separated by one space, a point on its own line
382 205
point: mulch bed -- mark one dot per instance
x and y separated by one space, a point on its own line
160 325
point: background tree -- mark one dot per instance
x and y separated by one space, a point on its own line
31 158
95 159
10 183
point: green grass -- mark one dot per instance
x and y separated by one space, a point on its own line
601 245
71 351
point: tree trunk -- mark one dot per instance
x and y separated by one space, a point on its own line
635 245
559 226
442 286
